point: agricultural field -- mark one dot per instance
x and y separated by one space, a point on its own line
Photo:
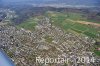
95 50
69 22
66 21
28 24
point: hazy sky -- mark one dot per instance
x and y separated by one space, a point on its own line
69 2
55 0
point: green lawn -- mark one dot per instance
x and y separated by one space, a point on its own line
97 52
48 39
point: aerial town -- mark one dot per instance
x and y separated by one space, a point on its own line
46 40
50 33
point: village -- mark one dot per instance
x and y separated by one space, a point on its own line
47 40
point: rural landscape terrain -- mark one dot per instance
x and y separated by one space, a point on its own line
30 31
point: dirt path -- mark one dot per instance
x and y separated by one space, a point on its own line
86 23
89 23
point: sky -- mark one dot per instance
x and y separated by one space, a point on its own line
51 0
67 2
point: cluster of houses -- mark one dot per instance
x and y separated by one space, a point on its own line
46 40
6 15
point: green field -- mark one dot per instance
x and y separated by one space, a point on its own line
97 52
28 24
62 20
48 39
70 15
